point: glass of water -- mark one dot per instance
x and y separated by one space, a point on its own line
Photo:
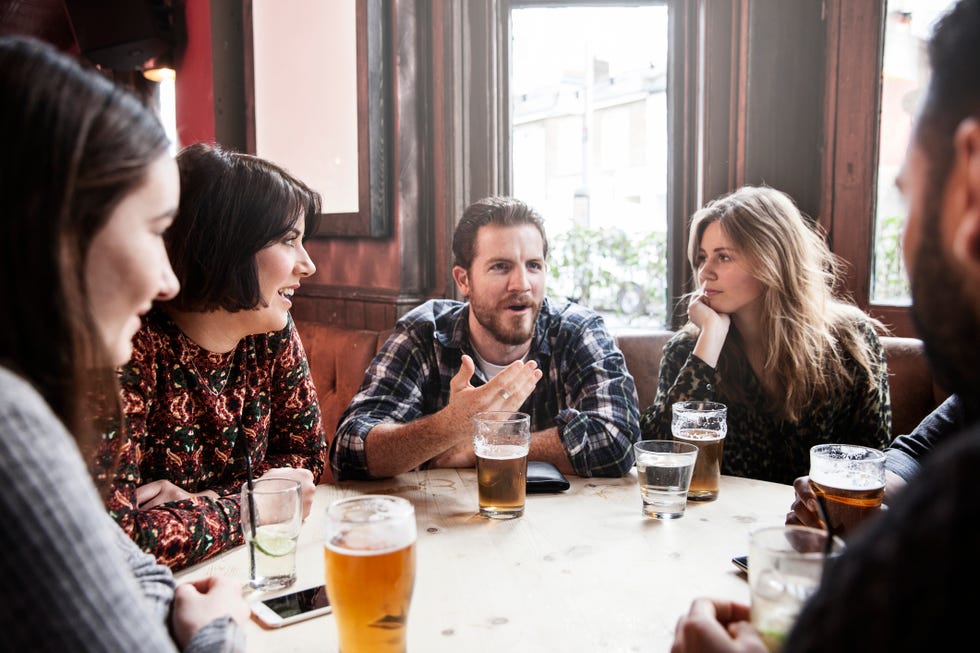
272 513
664 469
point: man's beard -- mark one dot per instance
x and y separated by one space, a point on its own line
945 315
501 325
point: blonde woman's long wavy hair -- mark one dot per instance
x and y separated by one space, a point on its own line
810 330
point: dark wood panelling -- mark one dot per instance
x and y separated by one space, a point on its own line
376 66
368 282
723 97
682 126
44 19
850 161
784 107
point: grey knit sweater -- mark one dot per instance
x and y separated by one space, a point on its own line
70 579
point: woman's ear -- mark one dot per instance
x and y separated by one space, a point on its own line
966 235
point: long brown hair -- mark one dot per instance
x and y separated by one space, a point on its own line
809 330
74 145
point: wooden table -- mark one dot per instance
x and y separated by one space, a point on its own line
580 571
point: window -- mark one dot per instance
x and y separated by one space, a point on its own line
618 148
589 149
168 111
905 73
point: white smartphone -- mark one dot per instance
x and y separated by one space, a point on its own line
286 609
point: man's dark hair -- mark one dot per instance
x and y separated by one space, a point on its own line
231 206
504 211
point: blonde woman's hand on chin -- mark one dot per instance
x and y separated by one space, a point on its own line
714 329
700 312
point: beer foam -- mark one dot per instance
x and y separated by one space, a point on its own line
699 435
500 451
847 479
368 542
370 525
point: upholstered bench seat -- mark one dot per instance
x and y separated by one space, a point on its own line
339 356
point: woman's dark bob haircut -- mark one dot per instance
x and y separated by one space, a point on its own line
231 206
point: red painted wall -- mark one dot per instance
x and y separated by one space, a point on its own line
195 78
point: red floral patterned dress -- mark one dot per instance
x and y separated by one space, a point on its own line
192 416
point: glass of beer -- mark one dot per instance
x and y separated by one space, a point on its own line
501 440
851 481
705 425
369 564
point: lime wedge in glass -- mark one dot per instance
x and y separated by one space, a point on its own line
273 543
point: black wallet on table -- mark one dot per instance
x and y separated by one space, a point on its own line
544 477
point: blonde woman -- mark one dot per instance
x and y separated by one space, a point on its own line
766 336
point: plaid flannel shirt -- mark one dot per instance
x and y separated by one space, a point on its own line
585 389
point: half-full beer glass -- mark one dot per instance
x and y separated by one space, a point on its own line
501 440
369 563
705 425
851 481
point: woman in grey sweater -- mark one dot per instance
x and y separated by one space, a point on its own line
87 189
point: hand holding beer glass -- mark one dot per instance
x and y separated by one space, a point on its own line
501 440
369 563
705 425
851 482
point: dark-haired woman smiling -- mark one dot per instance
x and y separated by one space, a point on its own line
219 378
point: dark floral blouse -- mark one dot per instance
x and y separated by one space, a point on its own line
760 445
192 416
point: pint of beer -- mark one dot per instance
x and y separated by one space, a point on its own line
851 480
705 425
369 563
501 440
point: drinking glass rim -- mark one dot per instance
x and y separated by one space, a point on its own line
293 486
686 447
874 455
404 508
496 416
839 544
699 405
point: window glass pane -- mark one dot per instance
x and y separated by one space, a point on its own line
905 73
588 108
168 111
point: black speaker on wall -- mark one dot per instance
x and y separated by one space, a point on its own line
124 34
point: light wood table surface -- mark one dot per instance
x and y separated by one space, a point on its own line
580 571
